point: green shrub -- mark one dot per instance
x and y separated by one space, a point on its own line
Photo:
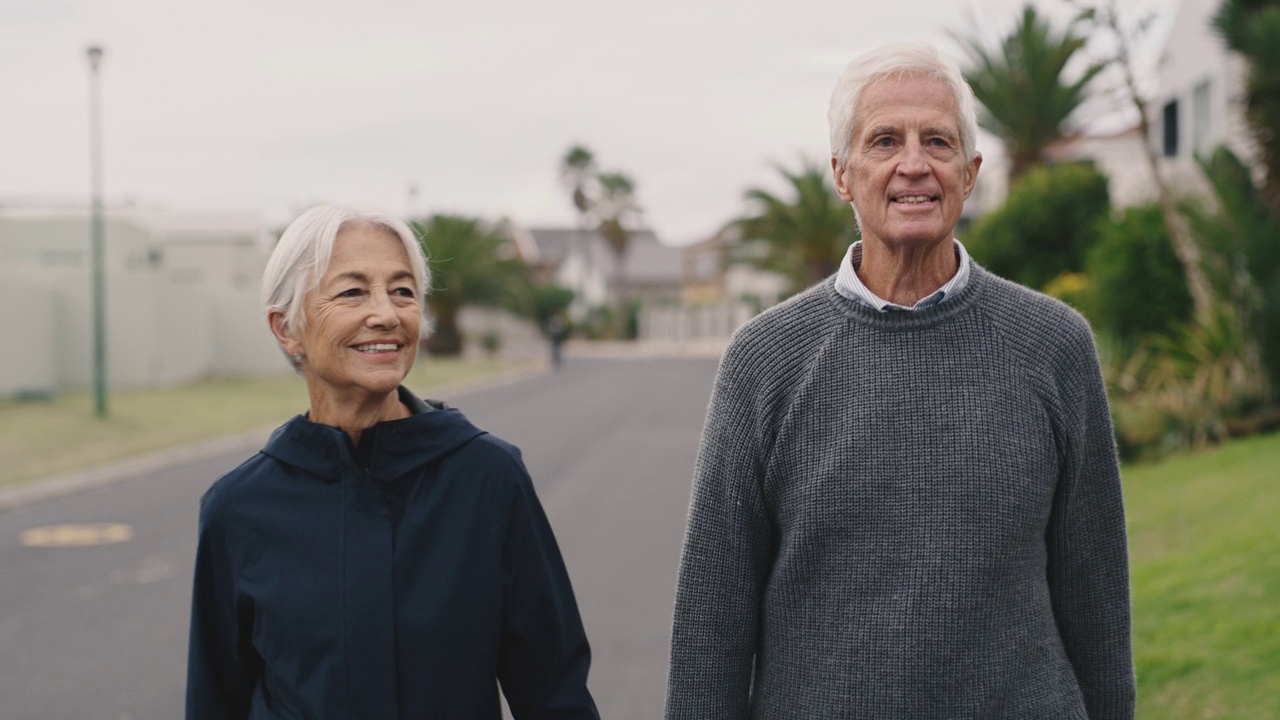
1136 284
1046 226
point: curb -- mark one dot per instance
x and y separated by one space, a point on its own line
647 349
38 490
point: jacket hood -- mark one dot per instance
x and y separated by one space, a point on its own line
400 446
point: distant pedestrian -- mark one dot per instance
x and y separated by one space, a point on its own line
907 500
557 331
381 557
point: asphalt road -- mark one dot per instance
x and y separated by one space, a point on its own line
99 631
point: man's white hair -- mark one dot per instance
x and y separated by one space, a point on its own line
302 255
893 61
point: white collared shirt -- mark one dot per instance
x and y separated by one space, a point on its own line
850 285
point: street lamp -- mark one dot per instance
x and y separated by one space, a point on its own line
96 235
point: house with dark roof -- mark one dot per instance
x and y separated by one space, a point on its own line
582 261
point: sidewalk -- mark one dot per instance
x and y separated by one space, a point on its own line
708 349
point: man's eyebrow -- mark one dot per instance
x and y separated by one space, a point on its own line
940 131
879 130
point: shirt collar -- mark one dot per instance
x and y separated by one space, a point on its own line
850 286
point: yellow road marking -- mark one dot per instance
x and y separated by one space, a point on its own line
80 535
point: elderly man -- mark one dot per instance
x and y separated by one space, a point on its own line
907 500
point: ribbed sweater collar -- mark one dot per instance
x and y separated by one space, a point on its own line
961 302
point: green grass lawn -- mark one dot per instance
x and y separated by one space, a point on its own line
1204 534
43 438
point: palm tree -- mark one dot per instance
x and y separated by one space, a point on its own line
1252 28
804 236
467 268
615 208
579 176
578 172
1025 101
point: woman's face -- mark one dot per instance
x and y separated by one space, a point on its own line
362 320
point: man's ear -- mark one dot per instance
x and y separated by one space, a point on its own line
841 176
971 174
283 333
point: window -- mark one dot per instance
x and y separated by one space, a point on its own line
1170 118
1201 118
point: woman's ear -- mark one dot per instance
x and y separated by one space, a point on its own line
283 333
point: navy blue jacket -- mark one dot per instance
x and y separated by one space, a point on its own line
406 583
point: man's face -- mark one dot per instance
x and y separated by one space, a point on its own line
905 172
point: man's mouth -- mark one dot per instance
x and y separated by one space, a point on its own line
914 199
376 348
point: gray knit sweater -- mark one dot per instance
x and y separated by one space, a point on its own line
906 515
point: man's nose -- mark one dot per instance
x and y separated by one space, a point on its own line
914 160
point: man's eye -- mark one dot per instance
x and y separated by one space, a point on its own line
883 142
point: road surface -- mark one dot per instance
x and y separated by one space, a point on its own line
93 617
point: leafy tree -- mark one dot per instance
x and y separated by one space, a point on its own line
805 235
1252 28
1045 227
1136 286
1026 102
468 267
545 301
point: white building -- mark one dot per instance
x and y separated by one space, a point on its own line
181 298
1120 156
1198 104
1197 107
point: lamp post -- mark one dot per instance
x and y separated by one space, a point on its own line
96 235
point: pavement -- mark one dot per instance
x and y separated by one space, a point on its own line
95 585
99 476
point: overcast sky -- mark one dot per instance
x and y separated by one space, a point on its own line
277 104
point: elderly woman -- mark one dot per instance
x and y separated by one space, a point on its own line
381 557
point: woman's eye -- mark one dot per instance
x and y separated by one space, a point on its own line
404 292
353 292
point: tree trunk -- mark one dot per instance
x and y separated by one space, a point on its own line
447 337
621 320
1184 243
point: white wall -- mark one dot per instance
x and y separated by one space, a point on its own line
1194 54
27 352
174 314
240 341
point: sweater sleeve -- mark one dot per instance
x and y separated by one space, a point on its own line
544 656
726 558
222 665
1088 570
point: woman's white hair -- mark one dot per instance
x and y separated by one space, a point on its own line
302 255
894 61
